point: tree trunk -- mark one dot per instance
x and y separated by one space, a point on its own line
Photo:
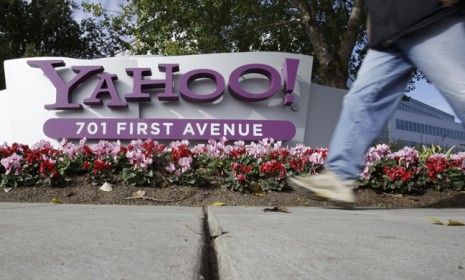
333 76
333 62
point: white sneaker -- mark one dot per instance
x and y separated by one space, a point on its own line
326 187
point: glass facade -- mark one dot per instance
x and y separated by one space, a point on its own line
416 107
429 129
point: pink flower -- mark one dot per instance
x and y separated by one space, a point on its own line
12 164
374 154
105 149
140 153
256 150
240 177
170 168
138 159
70 149
42 144
185 163
458 160
316 158
406 156
199 149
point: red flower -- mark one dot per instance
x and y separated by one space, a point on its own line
180 152
279 154
47 167
237 152
297 164
86 165
122 150
273 167
152 147
308 151
241 168
436 165
19 149
398 173
323 152
241 171
32 157
86 151
100 165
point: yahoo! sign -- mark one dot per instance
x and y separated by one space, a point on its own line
245 96
106 86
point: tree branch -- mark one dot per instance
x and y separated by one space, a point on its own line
317 40
350 36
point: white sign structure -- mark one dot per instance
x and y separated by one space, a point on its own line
238 95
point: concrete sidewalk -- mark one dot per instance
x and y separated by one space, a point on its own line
42 241
312 243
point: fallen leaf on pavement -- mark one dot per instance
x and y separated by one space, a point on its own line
449 222
260 194
138 194
56 200
217 203
454 223
277 209
106 187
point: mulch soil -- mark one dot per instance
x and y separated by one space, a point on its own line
81 191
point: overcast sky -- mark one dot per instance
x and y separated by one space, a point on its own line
424 92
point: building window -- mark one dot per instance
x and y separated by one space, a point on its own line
429 129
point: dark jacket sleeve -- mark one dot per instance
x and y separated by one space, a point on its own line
391 19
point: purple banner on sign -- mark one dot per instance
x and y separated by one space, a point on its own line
168 129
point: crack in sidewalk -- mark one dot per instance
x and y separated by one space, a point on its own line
209 262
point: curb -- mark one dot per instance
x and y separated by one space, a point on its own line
226 265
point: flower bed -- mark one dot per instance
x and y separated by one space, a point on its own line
411 171
255 167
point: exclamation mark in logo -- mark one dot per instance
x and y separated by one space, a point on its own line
289 73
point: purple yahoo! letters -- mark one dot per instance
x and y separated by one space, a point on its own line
139 83
289 73
106 86
199 74
266 70
64 90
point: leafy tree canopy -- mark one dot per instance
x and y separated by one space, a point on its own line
47 28
327 30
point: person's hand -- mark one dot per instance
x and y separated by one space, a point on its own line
449 3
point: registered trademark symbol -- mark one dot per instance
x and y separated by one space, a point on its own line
295 107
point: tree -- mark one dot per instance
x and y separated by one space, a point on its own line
47 28
12 18
104 35
333 28
327 30
51 29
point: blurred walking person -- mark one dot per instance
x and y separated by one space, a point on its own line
402 36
